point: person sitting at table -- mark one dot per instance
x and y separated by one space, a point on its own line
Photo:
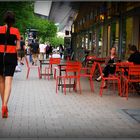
134 54
109 62
135 58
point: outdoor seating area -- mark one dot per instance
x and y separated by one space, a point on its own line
69 69
68 73
36 111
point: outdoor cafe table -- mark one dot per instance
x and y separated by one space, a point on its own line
44 62
62 68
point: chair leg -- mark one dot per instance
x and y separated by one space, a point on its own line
54 73
124 88
114 85
101 88
28 71
65 86
39 72
45 73
48 75
119 87
75 85
91 84
57 85
70 84
79 85
126 93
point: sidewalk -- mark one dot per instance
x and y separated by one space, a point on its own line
35 111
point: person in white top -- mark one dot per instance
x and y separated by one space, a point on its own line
55 55
42 50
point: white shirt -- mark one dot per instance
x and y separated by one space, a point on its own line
42 48
55 55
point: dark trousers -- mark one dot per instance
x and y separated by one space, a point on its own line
61 54
108 70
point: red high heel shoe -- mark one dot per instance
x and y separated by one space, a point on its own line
4 112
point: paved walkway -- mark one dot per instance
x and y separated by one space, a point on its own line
36 111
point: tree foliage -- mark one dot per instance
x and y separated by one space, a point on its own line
56 41
25 18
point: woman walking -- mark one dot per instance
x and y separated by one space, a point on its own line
9 44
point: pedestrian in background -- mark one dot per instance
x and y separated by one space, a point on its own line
9 44
42 50
35 51
61 50
21 55
47 50
21 51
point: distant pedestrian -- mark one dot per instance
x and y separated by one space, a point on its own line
21 51
42 50
9 44
47 50
61 50
35 51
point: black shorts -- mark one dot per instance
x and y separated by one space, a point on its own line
8 64
8 70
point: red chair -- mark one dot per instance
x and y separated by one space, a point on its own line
121 69
132 77
62 67
99 68
29 67
89 75
113 78
72 72
52 61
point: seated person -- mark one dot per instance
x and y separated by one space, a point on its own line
135 58
134 54
109 69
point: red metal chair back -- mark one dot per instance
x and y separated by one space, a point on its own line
119 64
125 63
91 57
134 71
73 67
55 61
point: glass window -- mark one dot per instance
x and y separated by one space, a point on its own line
94 40
91 15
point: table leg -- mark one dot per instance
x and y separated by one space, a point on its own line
59 78
40 70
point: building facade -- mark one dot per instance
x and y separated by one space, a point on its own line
99 26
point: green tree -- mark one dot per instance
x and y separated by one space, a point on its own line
56 41
25 18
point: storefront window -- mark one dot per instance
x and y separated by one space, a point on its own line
83 41
123 48
100 42
108 39
94 39
91 15
129 33
86 41
90 40
115 34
